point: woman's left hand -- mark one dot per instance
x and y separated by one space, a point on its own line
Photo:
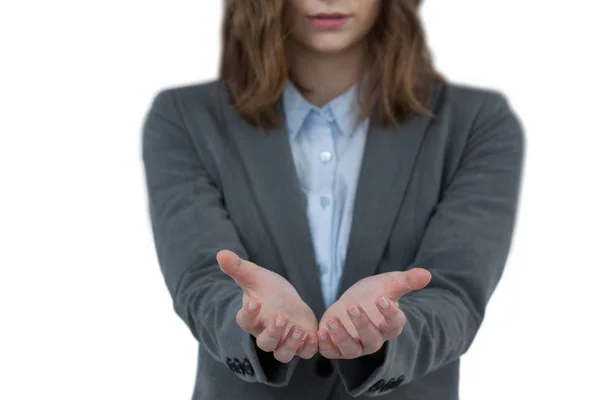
367 314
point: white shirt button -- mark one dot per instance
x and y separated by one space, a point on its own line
325 201
325 156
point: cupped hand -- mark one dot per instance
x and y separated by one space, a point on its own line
272 310
367 314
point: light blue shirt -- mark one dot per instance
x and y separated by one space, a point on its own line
327 147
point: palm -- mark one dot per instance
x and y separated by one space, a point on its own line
376 317
365 293
278 296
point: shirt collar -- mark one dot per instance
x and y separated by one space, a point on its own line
343 109
296 108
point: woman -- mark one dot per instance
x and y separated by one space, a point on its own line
363 206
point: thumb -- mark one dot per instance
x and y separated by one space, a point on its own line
403 282
243 272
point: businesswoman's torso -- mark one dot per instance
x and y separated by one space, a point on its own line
324 203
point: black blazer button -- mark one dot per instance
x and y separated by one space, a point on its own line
398 381
248 367
238 366
230 364
392 384
377 387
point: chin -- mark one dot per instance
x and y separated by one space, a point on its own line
329 46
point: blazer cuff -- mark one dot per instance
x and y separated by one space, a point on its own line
271 371
252 364
379 375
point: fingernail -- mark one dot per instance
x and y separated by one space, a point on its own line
296 335
252 306
279 322
384 303
354 311
312 341
333 325
323 336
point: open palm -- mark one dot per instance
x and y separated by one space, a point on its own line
367 314
272 309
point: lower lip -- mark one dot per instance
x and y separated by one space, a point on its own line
328 23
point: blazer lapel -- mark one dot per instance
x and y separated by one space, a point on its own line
387 166
270 166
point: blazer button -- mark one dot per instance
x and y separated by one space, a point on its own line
399 380
239 368
248 367
377 387
230 364
393 383
389 385
323 367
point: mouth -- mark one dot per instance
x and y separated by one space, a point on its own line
329 20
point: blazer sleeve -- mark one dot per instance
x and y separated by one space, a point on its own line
190 225
465 247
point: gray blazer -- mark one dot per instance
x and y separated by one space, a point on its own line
439 193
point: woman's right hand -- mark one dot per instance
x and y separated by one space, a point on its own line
272 310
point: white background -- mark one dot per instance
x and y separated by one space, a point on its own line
84 313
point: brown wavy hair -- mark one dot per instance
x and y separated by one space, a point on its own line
254 67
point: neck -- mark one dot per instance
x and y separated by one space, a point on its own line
326 76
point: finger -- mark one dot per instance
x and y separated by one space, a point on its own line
269 339
289 347
310 347
371 337
394 318
327 348
348 346
418 278
243 272
247 317
402 282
